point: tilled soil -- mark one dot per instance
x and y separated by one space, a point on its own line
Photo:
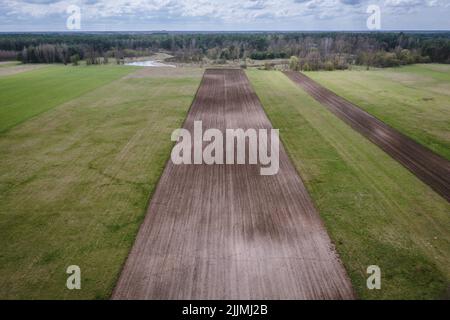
227 232
431 168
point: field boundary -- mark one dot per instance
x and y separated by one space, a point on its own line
425 164
227 232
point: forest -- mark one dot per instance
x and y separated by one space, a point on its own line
306 50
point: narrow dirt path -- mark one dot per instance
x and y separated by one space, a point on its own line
425 164
227 232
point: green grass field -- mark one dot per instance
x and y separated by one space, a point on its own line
75 180
413 99
376 212
83 148
28 94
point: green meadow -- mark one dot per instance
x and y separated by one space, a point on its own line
75 180
83 148
25 95
376 211
413 99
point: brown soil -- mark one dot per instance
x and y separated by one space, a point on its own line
425 164
227 232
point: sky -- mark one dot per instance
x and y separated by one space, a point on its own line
221 15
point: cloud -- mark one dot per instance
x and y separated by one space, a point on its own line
405 7
268 14
404 3
41 1
417 3
255 4
351 2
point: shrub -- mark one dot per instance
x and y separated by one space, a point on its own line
294 64
75 59
328 65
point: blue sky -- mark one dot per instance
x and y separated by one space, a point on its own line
214 15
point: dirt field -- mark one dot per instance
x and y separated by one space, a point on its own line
426 165
15 69
75 180
225 231
173 73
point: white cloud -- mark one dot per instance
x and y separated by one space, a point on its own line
219 9
236 12
416 3
404 3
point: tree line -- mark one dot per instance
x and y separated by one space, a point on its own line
313 50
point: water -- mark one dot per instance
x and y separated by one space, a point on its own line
149 63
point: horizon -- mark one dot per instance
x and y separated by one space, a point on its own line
223 31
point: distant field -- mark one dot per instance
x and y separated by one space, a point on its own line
413 99
75 181
8 69
28 94
375 210
5 64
